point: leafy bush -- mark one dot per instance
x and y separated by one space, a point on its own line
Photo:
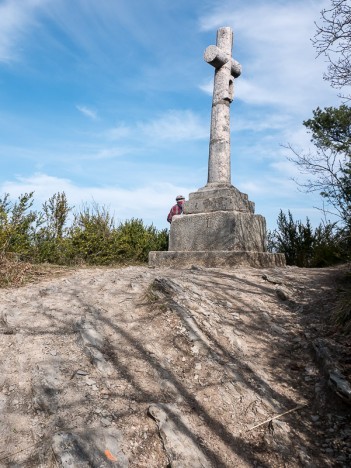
304 246
135 240
17 226
92 238
51 242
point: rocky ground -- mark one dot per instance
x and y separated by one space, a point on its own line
159 368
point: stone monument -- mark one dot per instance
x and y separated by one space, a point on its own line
218 227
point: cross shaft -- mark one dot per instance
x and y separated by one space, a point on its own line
226 69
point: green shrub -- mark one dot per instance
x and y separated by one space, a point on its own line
304 246
17 226
92 238
135 240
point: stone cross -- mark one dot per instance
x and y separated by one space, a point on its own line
226 69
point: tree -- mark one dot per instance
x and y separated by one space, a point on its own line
56 211
293 239
304 246
333 39
329 167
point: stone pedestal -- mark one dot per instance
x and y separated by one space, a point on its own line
216 259
218 229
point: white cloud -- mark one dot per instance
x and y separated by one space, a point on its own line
16 18
260 122
87 112
252 92
280 68
175 126
119 132
249 91
149 202
207 87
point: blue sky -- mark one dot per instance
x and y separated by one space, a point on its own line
110 100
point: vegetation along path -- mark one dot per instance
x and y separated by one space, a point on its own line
190 368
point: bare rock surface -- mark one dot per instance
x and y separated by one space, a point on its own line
182 451
144 367
89 447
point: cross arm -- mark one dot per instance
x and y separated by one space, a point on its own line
217 58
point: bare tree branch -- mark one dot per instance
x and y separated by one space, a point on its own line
333 39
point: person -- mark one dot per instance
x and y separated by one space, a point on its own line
176 209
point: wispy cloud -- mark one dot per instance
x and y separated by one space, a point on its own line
248 91
149 202
273 74
119 132
87 112
16 19
259 122
175 126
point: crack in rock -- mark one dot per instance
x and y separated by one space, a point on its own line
181 449
93 344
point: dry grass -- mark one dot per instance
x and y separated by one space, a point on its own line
15 273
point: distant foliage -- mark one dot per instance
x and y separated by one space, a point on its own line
18 225
333 40
304 246
92 237
328 167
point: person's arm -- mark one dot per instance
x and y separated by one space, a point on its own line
170 216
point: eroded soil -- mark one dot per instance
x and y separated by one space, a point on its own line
152 368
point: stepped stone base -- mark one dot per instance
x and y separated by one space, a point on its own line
219 231
216 259
213 197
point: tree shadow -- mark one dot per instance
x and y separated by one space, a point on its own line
148 376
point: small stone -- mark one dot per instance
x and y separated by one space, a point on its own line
272 279
304 458
282 294
198 366
53 352
90 382
105 422
183 359
315 418
82 372
95 388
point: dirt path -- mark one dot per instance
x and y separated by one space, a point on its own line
152 368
